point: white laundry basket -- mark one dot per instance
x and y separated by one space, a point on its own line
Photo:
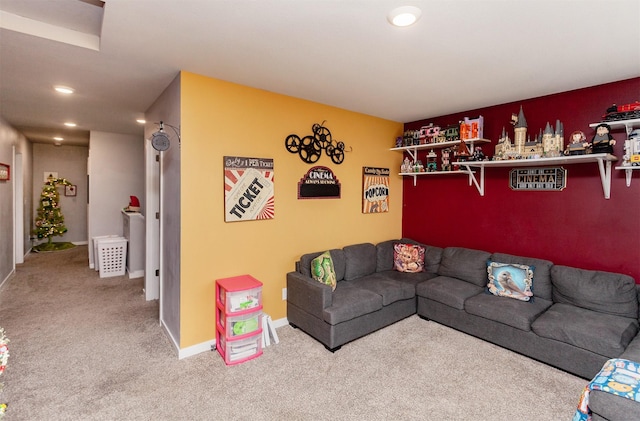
94 249
112 256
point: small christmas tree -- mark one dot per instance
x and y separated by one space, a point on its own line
50 221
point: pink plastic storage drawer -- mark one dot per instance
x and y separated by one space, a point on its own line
239 350
238 294
240 325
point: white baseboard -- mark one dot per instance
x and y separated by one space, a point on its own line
196 349
211 344
8 276
80 243
175 343
136 274
280 322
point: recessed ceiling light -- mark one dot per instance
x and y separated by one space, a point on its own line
58 138
141 120
64 89
70 124
404 16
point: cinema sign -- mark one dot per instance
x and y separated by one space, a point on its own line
539 179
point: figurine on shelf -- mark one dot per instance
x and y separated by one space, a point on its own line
603 142
578 145
399 142
406 166
446 159
418 167
631 155
432 161
478 155
463 153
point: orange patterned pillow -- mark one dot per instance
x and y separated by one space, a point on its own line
408 257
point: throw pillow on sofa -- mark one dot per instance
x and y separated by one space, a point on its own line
322 270
510 280
408 257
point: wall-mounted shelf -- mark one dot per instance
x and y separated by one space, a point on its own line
413 149
628 172
604 161
629 125
415 175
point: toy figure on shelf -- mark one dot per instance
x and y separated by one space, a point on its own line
463 153
418 167
399 142
478 155
602 142
406 166
631 155
432 161
446 159
578 145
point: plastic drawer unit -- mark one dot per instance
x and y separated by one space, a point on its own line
239 314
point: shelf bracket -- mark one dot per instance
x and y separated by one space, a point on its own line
474 180
605 177
628 173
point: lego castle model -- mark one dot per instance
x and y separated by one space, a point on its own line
547 144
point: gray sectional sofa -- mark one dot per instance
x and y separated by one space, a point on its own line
576 321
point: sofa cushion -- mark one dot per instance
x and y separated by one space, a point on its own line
408 257
603 334
384 253
604 292
432 255
360 260
541 276
510 280
449 291
337 256
390 290
467 264
632 351
408 278
514 313
350 302
322 270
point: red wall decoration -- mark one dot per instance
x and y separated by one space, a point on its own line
575 227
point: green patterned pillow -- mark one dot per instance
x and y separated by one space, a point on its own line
322 270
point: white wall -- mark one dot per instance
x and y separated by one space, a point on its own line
116 172
167 109
69 162
11 141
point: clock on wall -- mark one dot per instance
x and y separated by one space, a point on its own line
160 141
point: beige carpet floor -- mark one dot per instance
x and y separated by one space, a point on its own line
86 348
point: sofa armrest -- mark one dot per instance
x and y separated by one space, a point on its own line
308 294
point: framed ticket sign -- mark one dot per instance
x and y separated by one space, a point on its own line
248 189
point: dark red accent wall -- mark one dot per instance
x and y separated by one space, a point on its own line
575 227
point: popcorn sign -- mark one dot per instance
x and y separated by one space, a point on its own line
375 190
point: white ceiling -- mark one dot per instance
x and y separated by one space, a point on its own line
460 55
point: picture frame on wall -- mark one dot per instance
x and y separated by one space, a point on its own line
50 174
70 190
248 189
375 190
5 172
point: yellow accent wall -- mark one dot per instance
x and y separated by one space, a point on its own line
219 119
